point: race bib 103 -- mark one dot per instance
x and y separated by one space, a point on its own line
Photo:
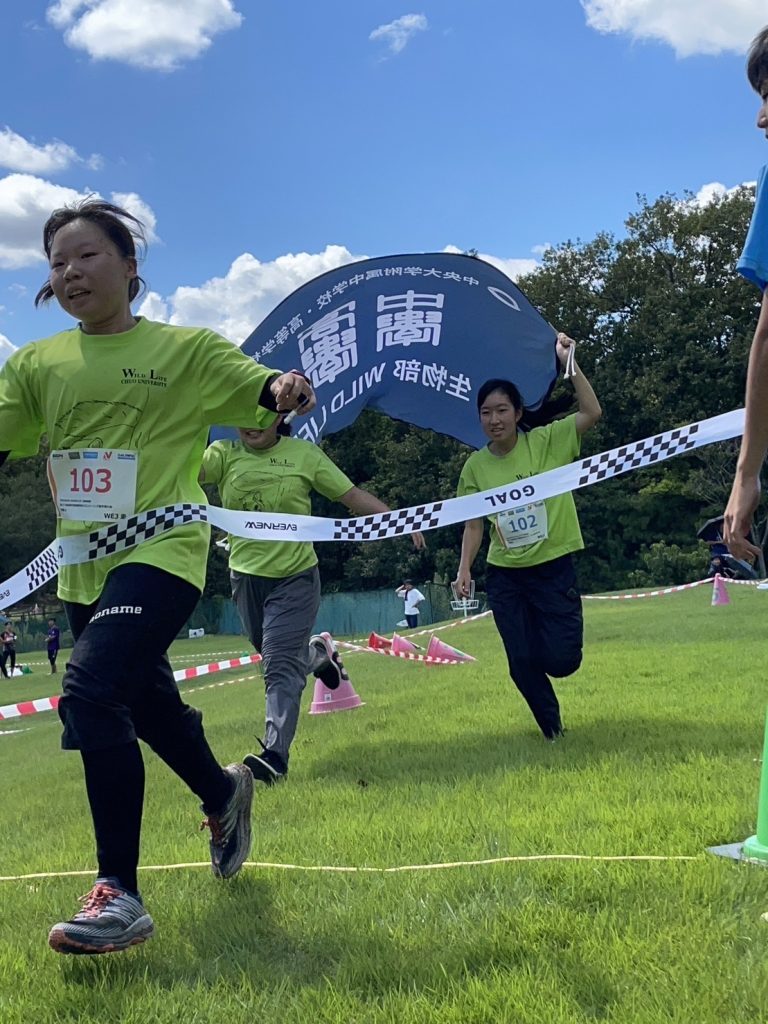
93 484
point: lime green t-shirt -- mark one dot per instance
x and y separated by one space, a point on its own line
279 479
536 450
155 389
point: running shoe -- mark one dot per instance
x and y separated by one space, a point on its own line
230 841
111 920
331 672
267 767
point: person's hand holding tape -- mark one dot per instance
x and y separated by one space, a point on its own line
293 394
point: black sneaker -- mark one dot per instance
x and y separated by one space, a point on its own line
332 672
267 767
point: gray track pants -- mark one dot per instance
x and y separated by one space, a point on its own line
278 616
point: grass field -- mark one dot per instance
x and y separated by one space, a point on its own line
661 758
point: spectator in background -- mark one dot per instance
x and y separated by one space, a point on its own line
412 598
53 640
8 639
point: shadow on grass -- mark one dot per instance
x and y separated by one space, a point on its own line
239 946
478 753
189 947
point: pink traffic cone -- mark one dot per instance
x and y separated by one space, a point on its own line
343 698
379 643
438 649
720 594
402 646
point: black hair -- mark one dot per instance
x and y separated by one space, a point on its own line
122 228
283 428
757 60
530 417
506 387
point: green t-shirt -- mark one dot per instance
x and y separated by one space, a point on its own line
155 389
536 450
279 479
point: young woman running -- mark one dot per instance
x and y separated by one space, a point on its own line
530 578
276 584
142 395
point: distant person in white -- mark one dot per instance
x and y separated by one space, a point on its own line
412 598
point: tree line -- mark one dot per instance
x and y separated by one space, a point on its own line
664 326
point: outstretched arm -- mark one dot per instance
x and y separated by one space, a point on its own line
589 410
470 545
363 503
745 493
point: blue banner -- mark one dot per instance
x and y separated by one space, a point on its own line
413 336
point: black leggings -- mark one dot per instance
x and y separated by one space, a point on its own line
119 687
537 611
7 655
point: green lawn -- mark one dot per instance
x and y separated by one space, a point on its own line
442 764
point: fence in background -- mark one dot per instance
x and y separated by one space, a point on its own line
343 614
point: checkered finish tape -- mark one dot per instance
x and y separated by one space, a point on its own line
641 453
42 569
389 524
142 527
78 548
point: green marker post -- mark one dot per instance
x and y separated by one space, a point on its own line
756 847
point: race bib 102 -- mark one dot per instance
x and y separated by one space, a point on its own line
519 527
93 483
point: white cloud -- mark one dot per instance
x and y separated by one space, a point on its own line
154 307
6 348
233 305
688 26
18 154
715 190
397 34
156 34
512 267
26 203
134 204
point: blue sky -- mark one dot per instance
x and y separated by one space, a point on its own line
264 143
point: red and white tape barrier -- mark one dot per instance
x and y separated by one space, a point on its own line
668 590
408 655
216 666
645 593
31 707
362 643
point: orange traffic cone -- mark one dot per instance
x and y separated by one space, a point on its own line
720 594
438 649
343 698
378 642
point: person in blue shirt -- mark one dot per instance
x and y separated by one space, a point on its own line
53 639
745 492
